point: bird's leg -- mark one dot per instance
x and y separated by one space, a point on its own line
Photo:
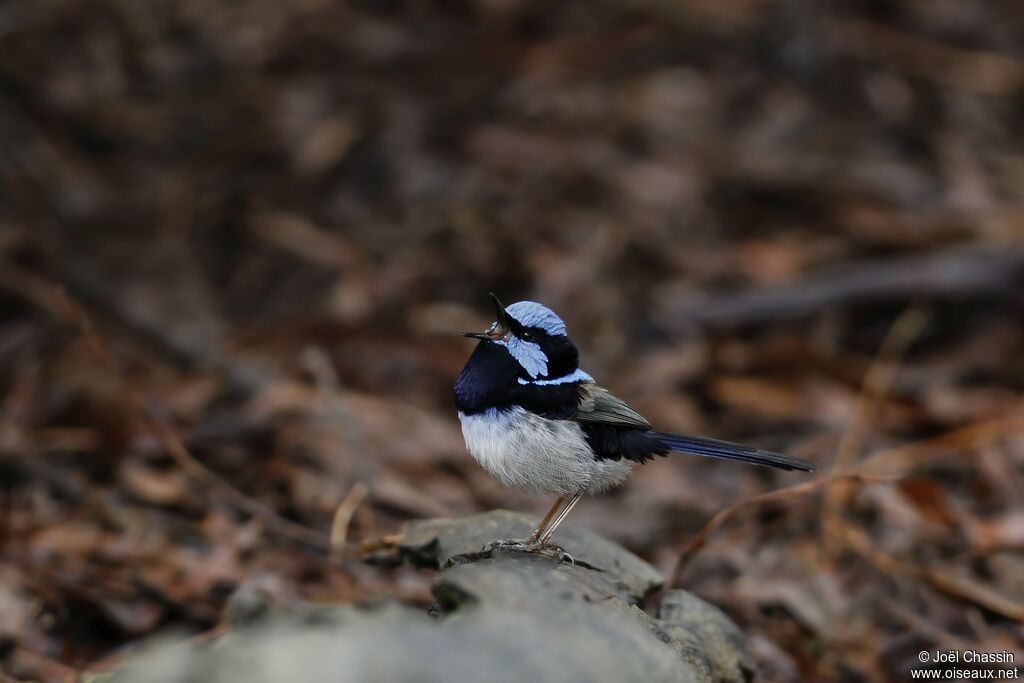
533 541
545 539
540 540
547 518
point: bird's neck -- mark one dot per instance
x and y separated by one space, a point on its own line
493 379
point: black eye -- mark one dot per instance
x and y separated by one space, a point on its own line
526 336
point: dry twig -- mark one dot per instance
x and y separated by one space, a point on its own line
963 273
343 517
780 495
872 396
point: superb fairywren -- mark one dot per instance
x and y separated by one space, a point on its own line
537 422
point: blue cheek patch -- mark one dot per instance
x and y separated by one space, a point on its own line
529 355
575 376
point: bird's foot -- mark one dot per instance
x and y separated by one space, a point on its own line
531 545
525 545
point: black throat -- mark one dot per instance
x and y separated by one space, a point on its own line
485 380
491 380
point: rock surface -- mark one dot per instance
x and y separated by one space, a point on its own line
498 616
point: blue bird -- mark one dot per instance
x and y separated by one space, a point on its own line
538 423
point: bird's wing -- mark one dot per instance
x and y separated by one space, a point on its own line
597 405
614 431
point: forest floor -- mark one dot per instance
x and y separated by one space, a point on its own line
236 240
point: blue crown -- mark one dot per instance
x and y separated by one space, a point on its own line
533 314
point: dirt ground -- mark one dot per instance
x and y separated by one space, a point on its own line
236 239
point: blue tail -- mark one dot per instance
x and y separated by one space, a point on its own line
732 451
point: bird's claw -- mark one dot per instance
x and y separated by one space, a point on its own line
564 556
531 546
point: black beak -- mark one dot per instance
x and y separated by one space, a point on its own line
500 327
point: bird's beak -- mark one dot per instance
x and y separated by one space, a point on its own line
500 328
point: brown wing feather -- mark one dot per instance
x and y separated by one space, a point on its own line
597 405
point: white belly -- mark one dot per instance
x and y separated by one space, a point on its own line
528 452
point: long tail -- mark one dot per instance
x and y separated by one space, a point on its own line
732 451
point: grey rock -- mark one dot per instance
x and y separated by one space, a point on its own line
498 616
703 636
440 543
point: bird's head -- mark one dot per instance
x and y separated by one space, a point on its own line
535 337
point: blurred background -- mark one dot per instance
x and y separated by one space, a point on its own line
236 239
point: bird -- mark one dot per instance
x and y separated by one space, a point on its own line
538 423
